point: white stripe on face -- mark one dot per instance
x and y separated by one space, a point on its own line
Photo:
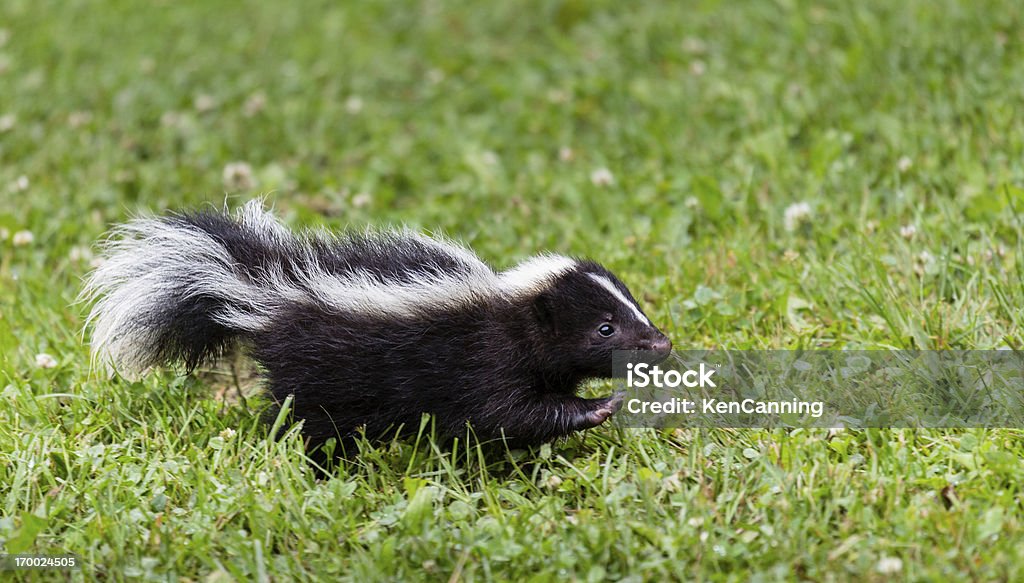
603 282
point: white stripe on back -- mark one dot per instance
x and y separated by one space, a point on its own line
535 274
603 282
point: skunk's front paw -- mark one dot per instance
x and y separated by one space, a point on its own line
605 409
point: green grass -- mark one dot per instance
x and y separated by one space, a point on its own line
713 118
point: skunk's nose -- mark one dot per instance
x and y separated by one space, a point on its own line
661 346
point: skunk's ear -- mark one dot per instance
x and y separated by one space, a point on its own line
544 311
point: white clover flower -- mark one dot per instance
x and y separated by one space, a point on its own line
44 360
204 103
694 45
7 122
20 184
904 164
691 202
698 68
170 119
255 104
354 104
238 176
559 96
796 214
363 199
227 433
908 232
672 483
79 253
889 565
77 119
489 158
923 262
4 233
602 177
553 482
565 154
23 238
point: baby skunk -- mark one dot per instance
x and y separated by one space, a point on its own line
369 330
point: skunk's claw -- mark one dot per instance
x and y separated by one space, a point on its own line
604 408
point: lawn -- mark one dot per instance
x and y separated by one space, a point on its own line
761 174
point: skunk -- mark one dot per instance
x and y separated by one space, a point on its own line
368 331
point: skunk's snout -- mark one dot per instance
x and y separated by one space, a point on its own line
660 345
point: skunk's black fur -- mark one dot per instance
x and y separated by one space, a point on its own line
369 330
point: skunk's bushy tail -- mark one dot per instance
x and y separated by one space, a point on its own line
184 287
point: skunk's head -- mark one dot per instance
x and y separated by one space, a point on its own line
585 314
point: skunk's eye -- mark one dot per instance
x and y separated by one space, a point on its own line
606 330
